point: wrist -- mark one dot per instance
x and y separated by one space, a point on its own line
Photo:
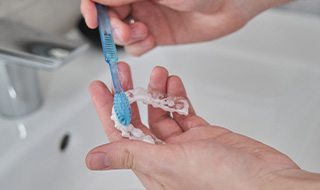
293 179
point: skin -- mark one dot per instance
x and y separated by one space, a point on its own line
167 22
196 155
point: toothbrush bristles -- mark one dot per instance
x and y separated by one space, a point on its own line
122 108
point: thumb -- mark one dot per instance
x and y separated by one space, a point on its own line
125 154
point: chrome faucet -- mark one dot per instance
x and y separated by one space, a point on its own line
23 51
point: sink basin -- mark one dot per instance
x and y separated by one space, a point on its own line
261 82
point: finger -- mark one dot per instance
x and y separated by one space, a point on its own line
135 36
160 122
138 32
175 88
89 12
120 30
141 47
126 81
103 102
116 2
178 5
123 11
127 34
127 154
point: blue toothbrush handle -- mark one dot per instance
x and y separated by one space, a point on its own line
115 77
103 18
108 46
120 101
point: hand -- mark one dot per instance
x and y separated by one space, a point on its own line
195 155
164 22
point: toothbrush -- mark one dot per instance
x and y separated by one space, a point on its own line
120 102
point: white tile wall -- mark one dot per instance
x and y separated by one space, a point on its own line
55 16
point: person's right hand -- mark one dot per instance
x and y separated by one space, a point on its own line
164 22
196 155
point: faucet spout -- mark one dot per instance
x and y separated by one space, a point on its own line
20 92
23 51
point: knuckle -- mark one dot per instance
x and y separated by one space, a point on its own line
128 159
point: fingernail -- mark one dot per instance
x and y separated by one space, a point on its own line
117 34
98 161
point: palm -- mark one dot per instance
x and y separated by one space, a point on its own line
256 158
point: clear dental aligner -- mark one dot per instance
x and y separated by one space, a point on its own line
179 105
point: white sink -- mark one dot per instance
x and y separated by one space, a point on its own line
262 82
